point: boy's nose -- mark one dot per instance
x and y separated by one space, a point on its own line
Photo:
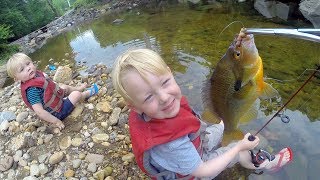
163 97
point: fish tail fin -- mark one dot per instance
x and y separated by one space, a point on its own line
268 92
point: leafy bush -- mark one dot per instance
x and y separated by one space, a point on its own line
5 49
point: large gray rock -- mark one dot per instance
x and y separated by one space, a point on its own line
271 9
311 11
63 75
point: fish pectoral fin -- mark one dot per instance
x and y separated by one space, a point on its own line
251 114
210 117
268 92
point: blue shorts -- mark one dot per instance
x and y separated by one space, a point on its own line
67 108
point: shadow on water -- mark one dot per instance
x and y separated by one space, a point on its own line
190 42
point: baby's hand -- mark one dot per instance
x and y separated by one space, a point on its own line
59 124
245 144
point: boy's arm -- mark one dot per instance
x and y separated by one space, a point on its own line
46 116
215 166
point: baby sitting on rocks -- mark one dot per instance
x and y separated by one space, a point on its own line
50 101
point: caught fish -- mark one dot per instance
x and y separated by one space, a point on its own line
233 91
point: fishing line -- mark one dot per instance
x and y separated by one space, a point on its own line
252 137
289 80
230 25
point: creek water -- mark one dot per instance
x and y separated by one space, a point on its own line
192 41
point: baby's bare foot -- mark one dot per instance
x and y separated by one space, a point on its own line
282 158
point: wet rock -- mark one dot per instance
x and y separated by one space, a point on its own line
6 163
117 21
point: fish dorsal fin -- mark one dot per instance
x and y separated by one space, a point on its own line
268 92
251 114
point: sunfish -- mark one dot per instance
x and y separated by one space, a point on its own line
233 91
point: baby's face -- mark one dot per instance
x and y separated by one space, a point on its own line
158 97
25 71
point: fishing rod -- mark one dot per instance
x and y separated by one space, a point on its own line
252 137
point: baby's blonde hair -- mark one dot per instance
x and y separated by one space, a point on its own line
15 62
139 60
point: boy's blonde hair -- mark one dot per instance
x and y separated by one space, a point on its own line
15 62
139 60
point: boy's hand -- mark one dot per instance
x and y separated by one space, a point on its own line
245 144
59 124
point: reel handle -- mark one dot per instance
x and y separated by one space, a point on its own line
251 138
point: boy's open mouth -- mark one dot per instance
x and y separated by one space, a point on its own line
169 106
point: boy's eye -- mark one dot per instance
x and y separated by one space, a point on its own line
21 69
166 81
28 63
148 98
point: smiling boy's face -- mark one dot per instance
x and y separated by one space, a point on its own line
25 71
158 97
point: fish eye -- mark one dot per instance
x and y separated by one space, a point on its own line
237 55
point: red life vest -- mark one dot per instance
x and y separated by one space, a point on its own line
53 94
145 135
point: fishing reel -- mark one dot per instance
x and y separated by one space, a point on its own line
260 157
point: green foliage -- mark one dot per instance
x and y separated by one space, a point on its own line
38 13
6 51
18 22
5 33
86 3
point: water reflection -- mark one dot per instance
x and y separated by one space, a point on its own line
191 44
